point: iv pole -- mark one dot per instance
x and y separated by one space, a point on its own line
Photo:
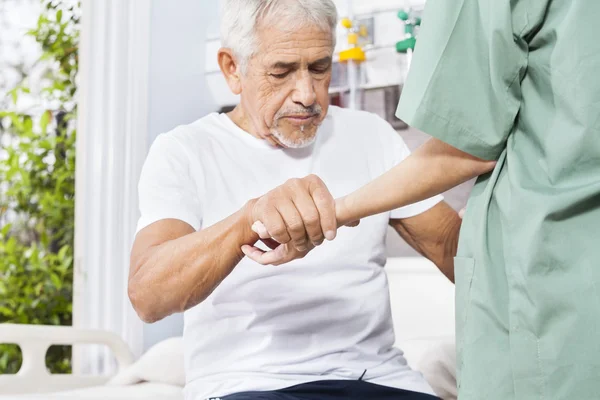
354 55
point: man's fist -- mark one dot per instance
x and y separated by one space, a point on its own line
300 213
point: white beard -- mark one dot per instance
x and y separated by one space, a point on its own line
291 143
297 143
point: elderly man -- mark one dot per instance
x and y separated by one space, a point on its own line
319 327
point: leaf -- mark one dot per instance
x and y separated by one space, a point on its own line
14 95
5 230
38 288
55 280
63 252
59 16
6 312
44 121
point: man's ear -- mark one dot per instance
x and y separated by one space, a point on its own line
231 70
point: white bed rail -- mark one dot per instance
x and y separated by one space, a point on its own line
34 341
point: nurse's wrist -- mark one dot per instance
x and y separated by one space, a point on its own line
342 212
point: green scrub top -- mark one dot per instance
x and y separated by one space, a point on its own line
518 81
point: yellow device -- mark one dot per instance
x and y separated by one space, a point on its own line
355 52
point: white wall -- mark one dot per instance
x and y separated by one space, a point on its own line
178 91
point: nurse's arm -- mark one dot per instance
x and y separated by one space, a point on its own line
434 234
432 169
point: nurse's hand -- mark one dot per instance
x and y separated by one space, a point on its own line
299 214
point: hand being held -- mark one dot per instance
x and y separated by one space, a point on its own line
292 220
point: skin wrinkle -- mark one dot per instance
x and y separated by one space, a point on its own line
174 268
302 91
434 235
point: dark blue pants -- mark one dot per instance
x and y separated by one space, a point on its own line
333 390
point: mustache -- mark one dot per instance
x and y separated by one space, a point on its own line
312 111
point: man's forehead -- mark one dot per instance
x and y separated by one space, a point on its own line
287 63
289 44
313 55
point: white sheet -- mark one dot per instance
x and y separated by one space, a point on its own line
163 363
141 391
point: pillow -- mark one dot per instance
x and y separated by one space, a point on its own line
435 358
162 363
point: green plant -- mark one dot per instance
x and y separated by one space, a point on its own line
37 178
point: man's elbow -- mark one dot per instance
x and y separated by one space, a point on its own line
143 305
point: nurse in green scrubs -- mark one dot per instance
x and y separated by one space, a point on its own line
512 87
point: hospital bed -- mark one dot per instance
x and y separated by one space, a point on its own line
422 303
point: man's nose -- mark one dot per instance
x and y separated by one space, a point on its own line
305 91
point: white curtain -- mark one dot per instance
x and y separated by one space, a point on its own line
111 147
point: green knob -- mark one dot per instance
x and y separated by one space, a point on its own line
403 46
409 29
403 15
418 21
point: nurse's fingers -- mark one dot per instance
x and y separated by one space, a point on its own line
462 212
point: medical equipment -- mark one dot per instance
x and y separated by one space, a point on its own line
353 57
375 83
411 22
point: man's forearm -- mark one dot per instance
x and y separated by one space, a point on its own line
181 273
448 249
432 169
441 254
434 234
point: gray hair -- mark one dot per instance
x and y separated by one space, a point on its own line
240 19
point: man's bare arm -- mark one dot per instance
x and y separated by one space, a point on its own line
174 268
434 234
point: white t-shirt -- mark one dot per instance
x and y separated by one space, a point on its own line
326 316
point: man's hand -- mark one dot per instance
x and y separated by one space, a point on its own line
284 253
278 255
299 214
